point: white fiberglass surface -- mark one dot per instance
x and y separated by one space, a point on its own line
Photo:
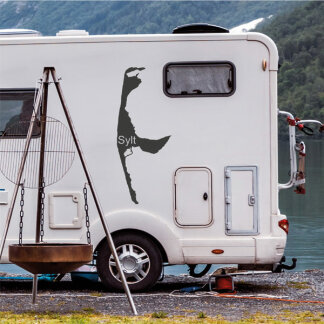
213 132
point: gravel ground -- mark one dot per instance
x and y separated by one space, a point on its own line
66 296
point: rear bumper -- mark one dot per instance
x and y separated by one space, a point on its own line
269 250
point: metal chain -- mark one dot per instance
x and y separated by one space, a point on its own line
21 224
86 208
42 211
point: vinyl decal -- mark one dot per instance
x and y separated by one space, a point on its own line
126 135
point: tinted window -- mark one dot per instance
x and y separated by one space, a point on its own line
199 79
16 107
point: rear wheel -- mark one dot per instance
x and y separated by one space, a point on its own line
140 260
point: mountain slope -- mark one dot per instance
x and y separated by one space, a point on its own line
299 36
124 17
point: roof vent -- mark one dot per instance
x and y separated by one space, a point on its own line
72 32
19 33
199 28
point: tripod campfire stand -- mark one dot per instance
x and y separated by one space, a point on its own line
75 254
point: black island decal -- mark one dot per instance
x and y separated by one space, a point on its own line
126 135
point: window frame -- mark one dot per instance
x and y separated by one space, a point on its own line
194 63
34 91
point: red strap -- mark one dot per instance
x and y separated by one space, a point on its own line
291 121
300 190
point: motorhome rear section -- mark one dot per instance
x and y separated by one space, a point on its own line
180 134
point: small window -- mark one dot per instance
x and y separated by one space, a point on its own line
199 79
16 108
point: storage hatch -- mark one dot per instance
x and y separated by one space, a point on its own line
241 200
193 196
65 210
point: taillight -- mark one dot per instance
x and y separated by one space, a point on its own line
284 224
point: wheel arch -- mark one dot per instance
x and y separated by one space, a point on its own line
144 223
139 232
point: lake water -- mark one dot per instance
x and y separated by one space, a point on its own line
305 212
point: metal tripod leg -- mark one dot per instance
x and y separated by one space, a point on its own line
95 197
35 282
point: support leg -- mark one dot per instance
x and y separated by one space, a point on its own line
95 197
35 281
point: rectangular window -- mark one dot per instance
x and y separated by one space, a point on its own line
199 79
16 108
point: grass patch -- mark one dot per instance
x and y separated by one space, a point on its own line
96 294
298 285
285 316
89 311
201 315
159 315
84 318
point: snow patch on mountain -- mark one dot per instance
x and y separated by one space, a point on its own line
247 26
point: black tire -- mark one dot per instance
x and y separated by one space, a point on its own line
124 243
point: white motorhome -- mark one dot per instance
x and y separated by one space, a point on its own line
180 135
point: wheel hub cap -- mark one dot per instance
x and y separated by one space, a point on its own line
134 261
129 264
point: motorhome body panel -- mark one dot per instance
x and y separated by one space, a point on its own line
208 132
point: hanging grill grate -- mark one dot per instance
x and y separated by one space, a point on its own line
59 152
44 152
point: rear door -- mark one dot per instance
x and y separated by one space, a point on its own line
241 200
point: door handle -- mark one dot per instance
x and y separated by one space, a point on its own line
251 200
205 196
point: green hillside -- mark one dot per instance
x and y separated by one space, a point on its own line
297 28
125 17
299 36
